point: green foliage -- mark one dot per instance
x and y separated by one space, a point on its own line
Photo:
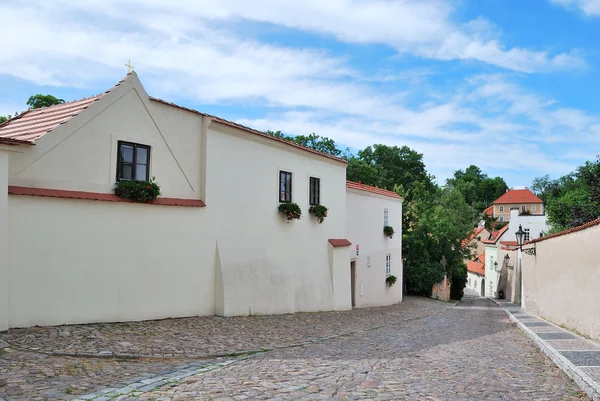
573 199
388 231
140 191
319 211
477 188
458 280
39 100
7 117
290 211
314 141
390 280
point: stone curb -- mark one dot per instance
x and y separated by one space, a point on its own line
109 354
585 382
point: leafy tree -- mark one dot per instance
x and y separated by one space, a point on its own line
39 100
478 189
7 117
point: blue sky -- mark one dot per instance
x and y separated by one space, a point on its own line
509 85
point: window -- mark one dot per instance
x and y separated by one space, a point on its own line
526 234
385 218
388 264
501 208
285 186
501 218
475 284
533 208
523 208
314 191
133 162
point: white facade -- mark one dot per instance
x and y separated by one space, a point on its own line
66 261
374 256
475 283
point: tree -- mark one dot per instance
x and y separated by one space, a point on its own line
37 101
478 189
7 117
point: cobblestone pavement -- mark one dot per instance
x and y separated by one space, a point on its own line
471 352
28 372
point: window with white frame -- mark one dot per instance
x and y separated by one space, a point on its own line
526 234
501 218
523 208
501 208
385 218
533 208
388 264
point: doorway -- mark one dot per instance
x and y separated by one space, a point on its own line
483 287
353 282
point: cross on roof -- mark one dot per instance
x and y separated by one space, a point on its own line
129 66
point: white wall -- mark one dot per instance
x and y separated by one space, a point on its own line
365 229
474 282
492 275
77 261
4 277
267 265
535 224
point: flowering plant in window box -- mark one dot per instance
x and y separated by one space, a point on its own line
290 211
388 231
319 211
140 191
390 280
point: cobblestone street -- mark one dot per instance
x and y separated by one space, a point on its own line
417 350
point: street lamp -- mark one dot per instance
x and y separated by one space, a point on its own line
520 234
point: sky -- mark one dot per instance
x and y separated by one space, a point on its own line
511 86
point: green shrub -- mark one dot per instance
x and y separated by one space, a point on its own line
388 231
390 280
290 211
319 211
140 191
458 282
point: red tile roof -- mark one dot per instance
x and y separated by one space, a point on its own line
32 124
336 243
489 211
496 235
369 188
518 196
60 193
249 130
475 233
10 141
477 266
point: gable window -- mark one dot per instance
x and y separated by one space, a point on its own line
285 186
527 236
133 161
523 208
501 208
314 197
388 264
533 208
385 218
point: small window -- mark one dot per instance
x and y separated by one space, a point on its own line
315 191
385 218
527 236
501 208
501 218
285 186
533 208
133 162
475 284
388 264
523 208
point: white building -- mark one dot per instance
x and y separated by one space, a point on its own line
375 257
476 275
213 243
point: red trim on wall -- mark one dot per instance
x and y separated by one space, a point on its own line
336 243
60 193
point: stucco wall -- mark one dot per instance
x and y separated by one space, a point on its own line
561 282
474 282
4 278
365 214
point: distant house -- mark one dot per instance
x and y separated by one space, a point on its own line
492 261
476 274
522 200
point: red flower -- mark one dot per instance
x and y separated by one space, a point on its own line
148 186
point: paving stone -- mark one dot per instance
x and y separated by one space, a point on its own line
573 345
556 336
583 358
537 324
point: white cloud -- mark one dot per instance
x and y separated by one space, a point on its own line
589 7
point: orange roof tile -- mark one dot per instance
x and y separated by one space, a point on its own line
369 188
496 235
60 193
336 243
489 211
477 265
32 124
475 233
518 196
